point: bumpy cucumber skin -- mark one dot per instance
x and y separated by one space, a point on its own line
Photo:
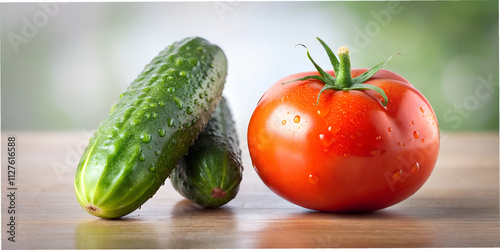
211 173
150 128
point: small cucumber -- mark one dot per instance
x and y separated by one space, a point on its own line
150 128
211 173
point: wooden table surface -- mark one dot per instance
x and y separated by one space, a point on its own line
457 207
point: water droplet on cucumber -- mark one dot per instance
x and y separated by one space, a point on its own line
161 132
152 168
134 122
170 122
179 61
178 102
146 137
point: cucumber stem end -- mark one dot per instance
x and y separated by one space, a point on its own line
92 209
218 193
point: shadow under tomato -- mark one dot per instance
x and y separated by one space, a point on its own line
313 229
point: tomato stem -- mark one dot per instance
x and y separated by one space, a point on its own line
342 68
344 79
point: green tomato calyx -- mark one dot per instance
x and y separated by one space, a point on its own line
342 68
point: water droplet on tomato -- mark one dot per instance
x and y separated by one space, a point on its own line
346 155
283 122
423 140
282 99
296 119
397 175
415 168
378 138
313 179
415 134
389 129
327 139
412 123
323 111
422 110
374 152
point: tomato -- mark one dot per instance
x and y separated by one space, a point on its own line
342 149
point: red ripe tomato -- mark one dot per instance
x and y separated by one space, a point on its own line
342 149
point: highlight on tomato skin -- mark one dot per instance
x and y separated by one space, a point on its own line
342 149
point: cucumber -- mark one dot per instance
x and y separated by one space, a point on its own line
211 173
150 128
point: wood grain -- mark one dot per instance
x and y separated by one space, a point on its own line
457 207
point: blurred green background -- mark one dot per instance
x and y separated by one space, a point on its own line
64 64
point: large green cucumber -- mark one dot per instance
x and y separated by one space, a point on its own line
150 128
211 173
